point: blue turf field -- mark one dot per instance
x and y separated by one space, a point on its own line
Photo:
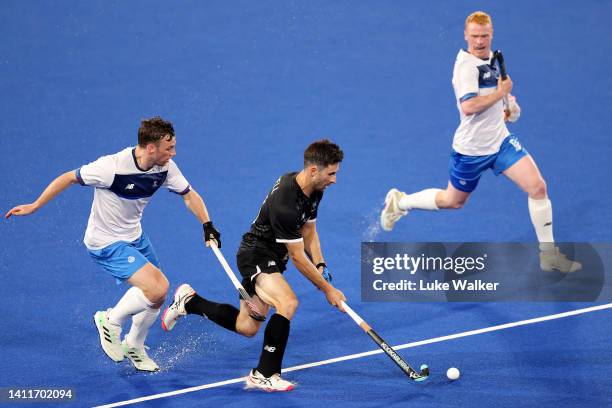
248 85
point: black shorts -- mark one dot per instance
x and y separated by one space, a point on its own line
252 263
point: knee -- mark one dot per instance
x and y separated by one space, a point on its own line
164 285
455 205
537 189
249 331
157 294
451 200
288 306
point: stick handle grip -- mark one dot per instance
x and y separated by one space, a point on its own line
360 322
497 55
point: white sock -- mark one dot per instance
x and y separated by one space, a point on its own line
423 200
540 212
140 327
133 302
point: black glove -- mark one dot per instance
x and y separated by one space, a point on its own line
326 273
210 232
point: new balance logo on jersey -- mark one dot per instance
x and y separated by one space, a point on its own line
270 349
129 186
486 75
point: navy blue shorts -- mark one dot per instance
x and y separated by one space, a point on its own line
465 171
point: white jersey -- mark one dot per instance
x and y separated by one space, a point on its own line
122 190
482 133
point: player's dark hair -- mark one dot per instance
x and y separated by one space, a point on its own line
153 130
322 153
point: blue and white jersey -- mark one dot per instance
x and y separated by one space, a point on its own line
122 190
482 133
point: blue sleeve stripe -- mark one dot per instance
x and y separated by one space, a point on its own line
78 176
467 96
185 191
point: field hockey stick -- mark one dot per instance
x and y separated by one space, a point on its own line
406 368
255 312
499 57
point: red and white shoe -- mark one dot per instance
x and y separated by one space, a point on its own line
176 310
273 383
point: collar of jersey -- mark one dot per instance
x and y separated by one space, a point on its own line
136 161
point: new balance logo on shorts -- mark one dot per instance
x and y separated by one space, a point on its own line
517 145
129 186
270 349
271 263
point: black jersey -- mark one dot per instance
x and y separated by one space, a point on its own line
281 216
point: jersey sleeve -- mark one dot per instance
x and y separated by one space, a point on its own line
314 212
175 181
313 217
284 222
466 82
99 173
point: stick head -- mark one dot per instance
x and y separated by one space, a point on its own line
424 374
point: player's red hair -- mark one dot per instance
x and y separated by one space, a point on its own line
479 17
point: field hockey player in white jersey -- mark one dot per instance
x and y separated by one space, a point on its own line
481 142
124 183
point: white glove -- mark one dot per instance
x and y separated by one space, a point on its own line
514 110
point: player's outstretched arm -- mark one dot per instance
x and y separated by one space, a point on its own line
307 268
312 245
53 189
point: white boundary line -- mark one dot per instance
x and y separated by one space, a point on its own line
369 353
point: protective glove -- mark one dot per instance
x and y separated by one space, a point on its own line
513 110
325 273
210 232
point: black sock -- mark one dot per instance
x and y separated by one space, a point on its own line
275 341
222 314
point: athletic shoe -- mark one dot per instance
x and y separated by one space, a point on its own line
176 310
109 336
391 213
139 357
271 384
553 259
